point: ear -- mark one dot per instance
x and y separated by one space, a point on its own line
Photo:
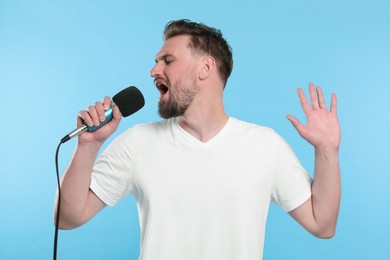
208 67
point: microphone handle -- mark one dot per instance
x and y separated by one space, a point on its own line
84 127
108 114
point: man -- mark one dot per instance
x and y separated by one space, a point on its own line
203 180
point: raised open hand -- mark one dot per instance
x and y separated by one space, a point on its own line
322 128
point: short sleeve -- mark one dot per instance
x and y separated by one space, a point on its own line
111 178
292 185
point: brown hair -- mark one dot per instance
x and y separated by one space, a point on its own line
204 39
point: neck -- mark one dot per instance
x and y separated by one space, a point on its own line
204 120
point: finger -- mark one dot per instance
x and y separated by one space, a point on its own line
304 104
117 116
107 102
297 124
333 105
94 115
80 120
100 111
321 99
84 117
313 97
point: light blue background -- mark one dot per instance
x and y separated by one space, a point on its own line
57 57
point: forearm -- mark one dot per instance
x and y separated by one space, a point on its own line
326 190
78 202
75 186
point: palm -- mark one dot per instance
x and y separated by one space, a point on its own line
322 127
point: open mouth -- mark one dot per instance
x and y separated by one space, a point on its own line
161 86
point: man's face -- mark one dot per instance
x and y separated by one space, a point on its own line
175 76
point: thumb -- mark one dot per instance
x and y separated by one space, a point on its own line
117 116
296 123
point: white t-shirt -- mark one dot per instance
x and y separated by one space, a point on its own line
201 201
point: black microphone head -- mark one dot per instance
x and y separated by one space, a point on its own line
129 100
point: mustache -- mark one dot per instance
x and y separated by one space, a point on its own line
160 80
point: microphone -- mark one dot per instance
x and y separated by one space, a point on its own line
129 101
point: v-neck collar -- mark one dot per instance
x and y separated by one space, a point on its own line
181 131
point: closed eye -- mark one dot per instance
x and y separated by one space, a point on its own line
166 58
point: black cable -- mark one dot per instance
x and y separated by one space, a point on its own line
58 204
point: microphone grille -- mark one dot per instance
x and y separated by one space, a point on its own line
129 100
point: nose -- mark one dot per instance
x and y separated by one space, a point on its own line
156 70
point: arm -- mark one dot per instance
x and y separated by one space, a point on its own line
319 214
78 202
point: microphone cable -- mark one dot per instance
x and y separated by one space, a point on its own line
58 204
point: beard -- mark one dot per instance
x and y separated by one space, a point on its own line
178 101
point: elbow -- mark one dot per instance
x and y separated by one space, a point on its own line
66 225
63 226
325 233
